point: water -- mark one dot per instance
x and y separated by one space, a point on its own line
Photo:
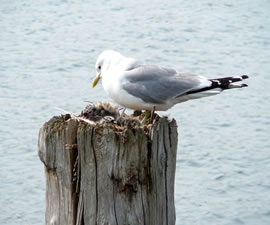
48 51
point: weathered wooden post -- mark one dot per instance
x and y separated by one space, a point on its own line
110 174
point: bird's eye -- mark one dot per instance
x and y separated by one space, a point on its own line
99 67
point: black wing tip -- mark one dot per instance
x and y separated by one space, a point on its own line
244 76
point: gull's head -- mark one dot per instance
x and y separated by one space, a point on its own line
106 60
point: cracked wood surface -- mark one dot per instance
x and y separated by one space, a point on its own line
96 174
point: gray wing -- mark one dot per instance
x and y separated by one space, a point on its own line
156 85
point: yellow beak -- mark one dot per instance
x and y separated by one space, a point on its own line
95 81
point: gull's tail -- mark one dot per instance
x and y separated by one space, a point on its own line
216 86
228 82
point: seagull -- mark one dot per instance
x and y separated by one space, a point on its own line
137 85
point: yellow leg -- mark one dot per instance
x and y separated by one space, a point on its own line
152 114
146 117
149 116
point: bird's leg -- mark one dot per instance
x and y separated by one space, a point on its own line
152 114
123 112
149 116
146 117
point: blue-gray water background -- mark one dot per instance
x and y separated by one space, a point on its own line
48 51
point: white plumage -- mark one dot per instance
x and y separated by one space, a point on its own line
133 84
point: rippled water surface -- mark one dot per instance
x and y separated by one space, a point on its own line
48 52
